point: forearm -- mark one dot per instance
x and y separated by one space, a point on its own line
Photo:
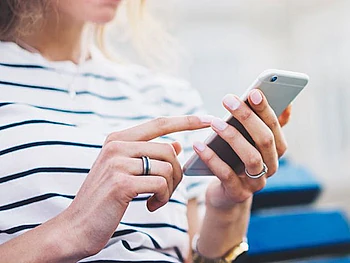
49 242
222 229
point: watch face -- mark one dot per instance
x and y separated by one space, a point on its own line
236 251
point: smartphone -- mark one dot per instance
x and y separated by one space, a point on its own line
280 88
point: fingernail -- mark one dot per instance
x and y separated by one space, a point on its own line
206 118
219 124
256 97
199 146
231 101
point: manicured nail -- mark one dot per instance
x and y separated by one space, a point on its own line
231 101
219 124
199 146
256 97
206 118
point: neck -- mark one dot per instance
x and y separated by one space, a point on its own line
58 39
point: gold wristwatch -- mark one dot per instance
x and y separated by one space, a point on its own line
229 257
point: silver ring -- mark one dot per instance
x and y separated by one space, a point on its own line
257 176
146 165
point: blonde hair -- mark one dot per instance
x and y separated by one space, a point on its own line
134 25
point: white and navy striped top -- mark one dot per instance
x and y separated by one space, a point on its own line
49 140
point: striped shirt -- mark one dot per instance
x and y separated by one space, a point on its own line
49 141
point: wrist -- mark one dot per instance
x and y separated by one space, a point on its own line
230 256
223 228
63 240
229 212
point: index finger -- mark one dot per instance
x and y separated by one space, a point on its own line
161 126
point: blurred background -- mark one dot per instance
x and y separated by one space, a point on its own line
229 42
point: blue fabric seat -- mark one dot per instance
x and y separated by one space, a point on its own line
291 185
297 234
327 260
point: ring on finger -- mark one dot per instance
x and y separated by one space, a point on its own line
146 164
257 176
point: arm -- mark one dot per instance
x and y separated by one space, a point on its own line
223 229
230 227
84 228
50 242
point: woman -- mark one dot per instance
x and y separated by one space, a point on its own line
81 178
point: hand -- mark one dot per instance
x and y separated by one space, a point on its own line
115 179
263 126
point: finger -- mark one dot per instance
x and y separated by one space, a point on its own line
152 184
258 130
156 151
177 147
218 167
260 105
249 155
157 168
284 118
159 127
233 185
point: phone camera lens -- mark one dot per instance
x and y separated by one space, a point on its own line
273 79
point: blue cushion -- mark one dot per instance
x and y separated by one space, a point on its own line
327 260
297 234
291 185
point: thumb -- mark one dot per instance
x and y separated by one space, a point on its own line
284 118
177 147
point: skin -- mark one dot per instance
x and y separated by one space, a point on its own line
84 228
